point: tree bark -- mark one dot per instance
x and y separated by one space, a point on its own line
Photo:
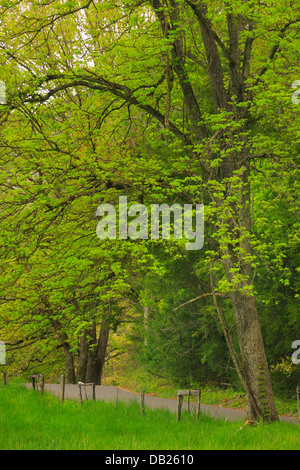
70 368
260 401
82 358
97 353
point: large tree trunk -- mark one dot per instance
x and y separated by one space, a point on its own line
97 353
70 368
253 365
260 401
92 364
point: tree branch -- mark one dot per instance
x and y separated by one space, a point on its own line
97 82
275 48
200 297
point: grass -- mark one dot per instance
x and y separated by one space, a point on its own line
29 421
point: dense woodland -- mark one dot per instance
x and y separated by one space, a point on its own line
162 101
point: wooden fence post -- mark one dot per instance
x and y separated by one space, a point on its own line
94 391
79 392
4 378
198 403
142 402
117 396
33 381
179 406
41 383
62 388
298 400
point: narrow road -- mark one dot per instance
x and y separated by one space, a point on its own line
108 393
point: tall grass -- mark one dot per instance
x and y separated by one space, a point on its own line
29 421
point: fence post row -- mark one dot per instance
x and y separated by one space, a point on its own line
181 393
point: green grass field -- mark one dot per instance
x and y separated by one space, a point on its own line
30 421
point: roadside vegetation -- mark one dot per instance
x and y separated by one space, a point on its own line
128 373
30 421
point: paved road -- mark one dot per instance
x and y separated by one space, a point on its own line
108 393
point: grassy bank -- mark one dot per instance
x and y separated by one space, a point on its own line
31 421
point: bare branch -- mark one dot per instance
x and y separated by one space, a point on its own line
201 297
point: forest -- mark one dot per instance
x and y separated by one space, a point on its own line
166 103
